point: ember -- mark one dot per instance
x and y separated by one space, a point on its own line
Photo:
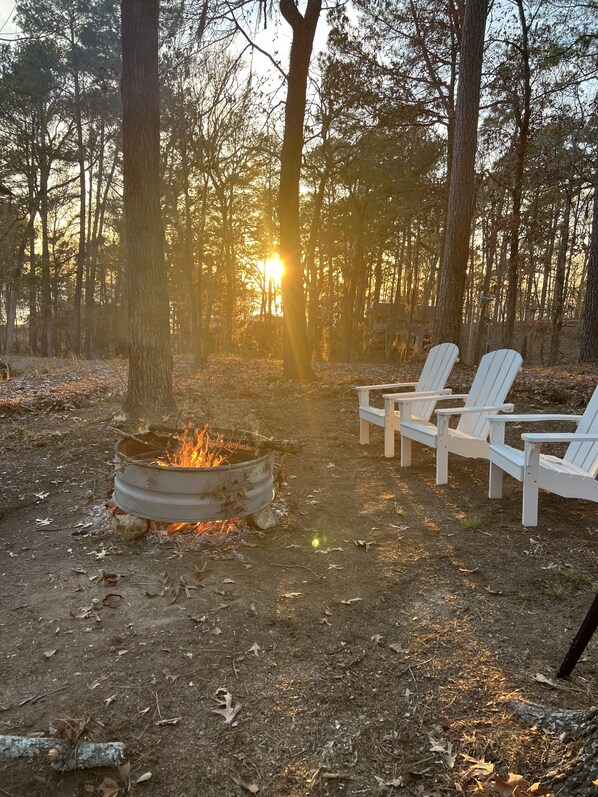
211 527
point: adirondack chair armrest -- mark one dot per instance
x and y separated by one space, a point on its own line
531 418
533 442
440 395
470 410
537 438
385 387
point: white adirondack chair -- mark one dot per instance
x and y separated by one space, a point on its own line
436 370
571 476
493 379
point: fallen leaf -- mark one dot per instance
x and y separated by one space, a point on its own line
112 600
110 578
292 595
254 649
109 788
109 700
229 581
252 788
226 708
48 653
144 777
349 601
335 567
396 783
397 647
43 521
170 676
548 681
171 721
377 638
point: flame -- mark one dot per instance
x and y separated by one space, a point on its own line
212 527
197 450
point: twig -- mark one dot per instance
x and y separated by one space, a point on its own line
303 567
133 437
35 698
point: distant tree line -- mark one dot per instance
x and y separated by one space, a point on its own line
378 154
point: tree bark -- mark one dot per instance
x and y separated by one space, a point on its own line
522 117
453 267
296 357
150 388
589 317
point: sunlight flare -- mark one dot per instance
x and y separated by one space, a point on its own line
274 270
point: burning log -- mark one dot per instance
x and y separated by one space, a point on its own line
65 756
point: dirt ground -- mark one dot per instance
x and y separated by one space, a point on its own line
372 640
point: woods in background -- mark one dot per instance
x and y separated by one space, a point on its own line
381 143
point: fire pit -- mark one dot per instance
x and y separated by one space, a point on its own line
219 480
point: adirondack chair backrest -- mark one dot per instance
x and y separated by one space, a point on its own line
436 370
585 455
493 379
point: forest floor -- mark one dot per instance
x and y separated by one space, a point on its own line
372 640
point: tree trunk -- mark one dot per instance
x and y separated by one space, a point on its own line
150 388
589 317
453 268
295 348
76 342
523 119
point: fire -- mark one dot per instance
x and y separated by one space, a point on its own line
197 450
212 527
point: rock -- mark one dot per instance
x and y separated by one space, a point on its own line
129 527
266 518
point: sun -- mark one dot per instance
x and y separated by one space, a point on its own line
274 270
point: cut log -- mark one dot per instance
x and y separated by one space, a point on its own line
65 756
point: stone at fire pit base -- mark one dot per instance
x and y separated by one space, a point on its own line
129 528
264 519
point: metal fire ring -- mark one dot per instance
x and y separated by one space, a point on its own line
174 494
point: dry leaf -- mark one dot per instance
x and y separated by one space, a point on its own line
229 581
544 680
349 601
171 721
144 777
252 788
377 638
170 676
112 600
226 708
397 647
254 649
292 595
109 788
48 653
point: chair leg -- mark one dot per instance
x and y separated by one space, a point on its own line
529 515
405 452
495 481
442 463
389 438
364 432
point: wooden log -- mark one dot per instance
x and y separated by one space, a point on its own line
65 756
240 436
